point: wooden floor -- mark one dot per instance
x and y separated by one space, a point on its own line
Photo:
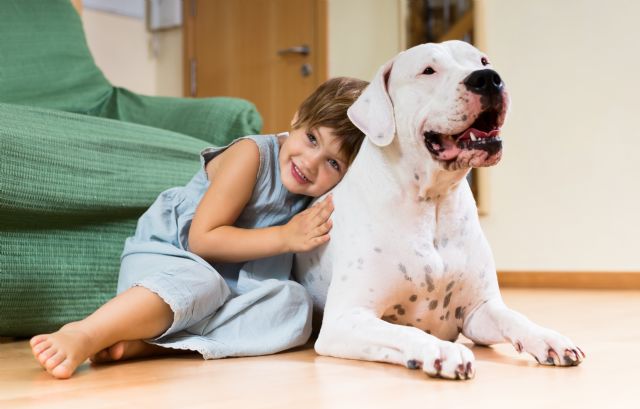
605 324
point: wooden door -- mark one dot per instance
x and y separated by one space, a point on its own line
271 52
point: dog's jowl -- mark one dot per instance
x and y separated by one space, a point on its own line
408 267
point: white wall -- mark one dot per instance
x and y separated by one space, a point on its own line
566 195
132 57
363 35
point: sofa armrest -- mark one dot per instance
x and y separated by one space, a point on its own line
216 120
79 166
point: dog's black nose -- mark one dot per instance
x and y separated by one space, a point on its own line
484 82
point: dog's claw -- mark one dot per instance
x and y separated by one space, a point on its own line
414 364
583 355
553 357
471 372
572 357
437 365
518 346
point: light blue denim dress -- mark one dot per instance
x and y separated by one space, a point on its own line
221 309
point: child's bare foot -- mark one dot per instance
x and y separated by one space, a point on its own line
61 352
128 350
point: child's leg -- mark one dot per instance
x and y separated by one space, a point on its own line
271 317
132 315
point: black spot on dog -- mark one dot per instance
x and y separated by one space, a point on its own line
447 298
446 317
403 270
450 285
413 298
429 281
399 309
433 305
377 250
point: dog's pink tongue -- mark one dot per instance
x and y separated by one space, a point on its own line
450 151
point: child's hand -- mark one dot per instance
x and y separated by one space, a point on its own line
309 228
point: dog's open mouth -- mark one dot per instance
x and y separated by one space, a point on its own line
483 135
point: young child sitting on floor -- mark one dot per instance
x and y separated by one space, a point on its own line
209 265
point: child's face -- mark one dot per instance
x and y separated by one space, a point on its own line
310 161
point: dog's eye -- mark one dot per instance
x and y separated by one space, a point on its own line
429 71
484 61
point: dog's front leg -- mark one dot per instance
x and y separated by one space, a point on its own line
493 322
358 333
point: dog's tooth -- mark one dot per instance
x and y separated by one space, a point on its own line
472 136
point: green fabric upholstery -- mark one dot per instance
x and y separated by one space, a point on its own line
72 189
44 58
80 161
195 117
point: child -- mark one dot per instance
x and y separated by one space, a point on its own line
185 282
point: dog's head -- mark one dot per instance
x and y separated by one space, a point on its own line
441 99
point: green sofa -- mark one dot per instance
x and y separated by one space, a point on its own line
80 161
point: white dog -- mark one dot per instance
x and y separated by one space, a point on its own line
408 267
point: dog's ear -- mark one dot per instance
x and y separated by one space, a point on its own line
372 112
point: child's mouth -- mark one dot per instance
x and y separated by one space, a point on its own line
298 175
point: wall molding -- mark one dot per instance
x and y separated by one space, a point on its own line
570 280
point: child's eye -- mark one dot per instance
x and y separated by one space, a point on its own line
312 138
334 163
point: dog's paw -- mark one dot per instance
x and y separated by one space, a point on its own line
445 360
550 348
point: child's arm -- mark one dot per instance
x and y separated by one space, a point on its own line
212 235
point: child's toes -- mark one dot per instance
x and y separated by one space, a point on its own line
54 361
64 370
40 347
37 339
44 356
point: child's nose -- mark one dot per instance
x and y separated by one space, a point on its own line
314 162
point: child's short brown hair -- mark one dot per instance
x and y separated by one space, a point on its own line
327 106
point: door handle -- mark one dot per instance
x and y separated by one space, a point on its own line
299 49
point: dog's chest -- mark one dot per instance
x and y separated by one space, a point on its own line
432 290
436 305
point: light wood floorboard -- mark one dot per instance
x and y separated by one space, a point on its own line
605 324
